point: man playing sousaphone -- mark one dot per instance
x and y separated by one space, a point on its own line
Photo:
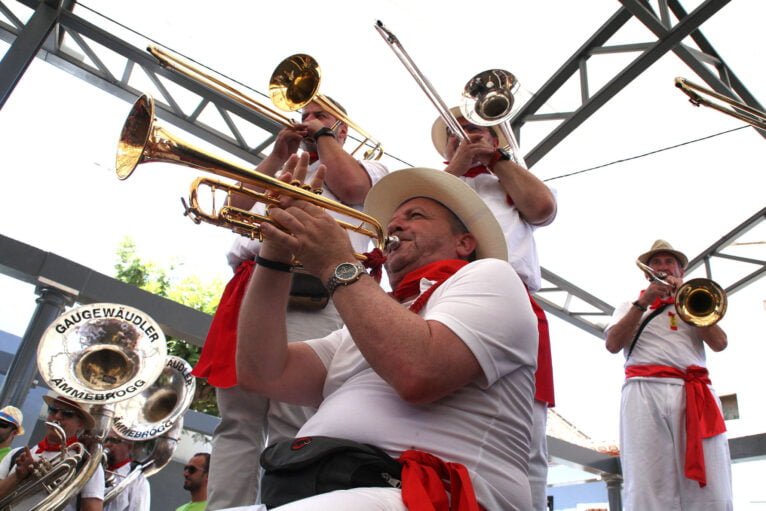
673 445
73 421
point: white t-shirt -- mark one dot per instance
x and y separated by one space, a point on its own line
659 344
245 249
484 425
519 235
136 497
94 488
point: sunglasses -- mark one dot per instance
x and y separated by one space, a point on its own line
191 469
6 425
67 414
112 440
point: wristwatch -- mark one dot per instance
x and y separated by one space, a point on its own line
323 132
345 274
504 155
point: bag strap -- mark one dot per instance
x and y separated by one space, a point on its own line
656 312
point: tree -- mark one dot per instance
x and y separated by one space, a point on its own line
189 291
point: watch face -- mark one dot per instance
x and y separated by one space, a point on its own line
346 271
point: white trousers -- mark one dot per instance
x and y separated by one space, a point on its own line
653 449
249 421
538 457
356 499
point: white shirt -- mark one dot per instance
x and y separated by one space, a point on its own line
484 425
519 235
136 497
245 249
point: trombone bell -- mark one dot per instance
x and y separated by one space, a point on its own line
701 302
488 97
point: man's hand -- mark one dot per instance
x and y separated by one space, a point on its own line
468 153
658 290
288 141
24 464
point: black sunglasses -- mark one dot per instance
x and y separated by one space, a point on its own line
191 469
112 440
6 425
68 414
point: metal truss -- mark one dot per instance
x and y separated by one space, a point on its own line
245 133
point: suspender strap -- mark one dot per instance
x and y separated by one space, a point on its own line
646 321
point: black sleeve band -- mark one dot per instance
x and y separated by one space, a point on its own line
273 265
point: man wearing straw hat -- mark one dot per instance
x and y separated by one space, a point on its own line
521 202
74 420
11 425
439 374
673 445
248 420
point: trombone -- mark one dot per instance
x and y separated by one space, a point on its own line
487 97
736 109
699 302
143 140
293 85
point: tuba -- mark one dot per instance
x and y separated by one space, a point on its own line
143 140
97 354
153 421
699 302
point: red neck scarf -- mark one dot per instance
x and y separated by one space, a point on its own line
703 417
425 486
46 446
119 465
438 272
313 157
659 302
374 261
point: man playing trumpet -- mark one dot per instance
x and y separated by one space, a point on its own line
245 427
673 445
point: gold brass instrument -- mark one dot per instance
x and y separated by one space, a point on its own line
725 104
699 302
153 421
295 83
143 140
487 97
97 354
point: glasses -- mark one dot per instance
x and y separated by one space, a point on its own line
112 440
6 425
67 414
191 469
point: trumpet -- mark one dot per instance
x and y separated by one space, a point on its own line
699 302
143 140
728 106
293 85
487 97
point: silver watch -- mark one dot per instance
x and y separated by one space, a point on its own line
345 274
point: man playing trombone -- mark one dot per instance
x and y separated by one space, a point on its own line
673 445
244 428
521 202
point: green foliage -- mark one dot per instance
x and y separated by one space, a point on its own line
190 291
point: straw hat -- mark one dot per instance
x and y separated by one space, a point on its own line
439 132
13 415
86 417
402 185
663 246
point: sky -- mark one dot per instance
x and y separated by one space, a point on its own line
59 135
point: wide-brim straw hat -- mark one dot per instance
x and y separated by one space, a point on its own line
663 246
402 185
13 415
439 132
86 417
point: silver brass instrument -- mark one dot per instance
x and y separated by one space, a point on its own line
725 104
143 140
487 97
153 421
699 302
293 85
97 354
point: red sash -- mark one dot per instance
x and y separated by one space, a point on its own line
703 417
217 362
544 374
425 486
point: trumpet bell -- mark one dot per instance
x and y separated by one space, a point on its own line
487 98
294 82
701 302
134 136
